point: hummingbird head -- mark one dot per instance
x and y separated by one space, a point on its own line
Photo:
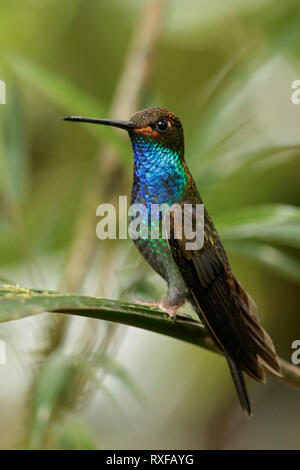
158 148
156 125
160 126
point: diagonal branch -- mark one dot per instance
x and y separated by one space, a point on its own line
18 302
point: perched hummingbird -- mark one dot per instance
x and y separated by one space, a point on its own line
203 277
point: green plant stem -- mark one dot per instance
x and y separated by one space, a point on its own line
108 165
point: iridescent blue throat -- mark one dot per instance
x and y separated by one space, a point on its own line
159 175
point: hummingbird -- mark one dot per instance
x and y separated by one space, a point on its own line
203 277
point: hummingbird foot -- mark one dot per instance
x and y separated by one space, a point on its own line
170 310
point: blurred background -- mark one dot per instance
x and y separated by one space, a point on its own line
227 69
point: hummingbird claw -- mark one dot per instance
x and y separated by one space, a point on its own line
171 311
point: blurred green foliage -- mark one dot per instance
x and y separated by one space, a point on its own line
226 68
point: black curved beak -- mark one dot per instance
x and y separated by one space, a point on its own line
127 125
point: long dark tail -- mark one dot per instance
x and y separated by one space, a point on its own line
226 309
240 385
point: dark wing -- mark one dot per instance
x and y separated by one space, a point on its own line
220 301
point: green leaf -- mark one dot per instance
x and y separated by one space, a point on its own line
270 222
72 434
60 384
222 164
14 162
19 302
213 97
268 256
50 384
279 156
67 96
115 368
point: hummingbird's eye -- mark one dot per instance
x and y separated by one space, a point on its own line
162 125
